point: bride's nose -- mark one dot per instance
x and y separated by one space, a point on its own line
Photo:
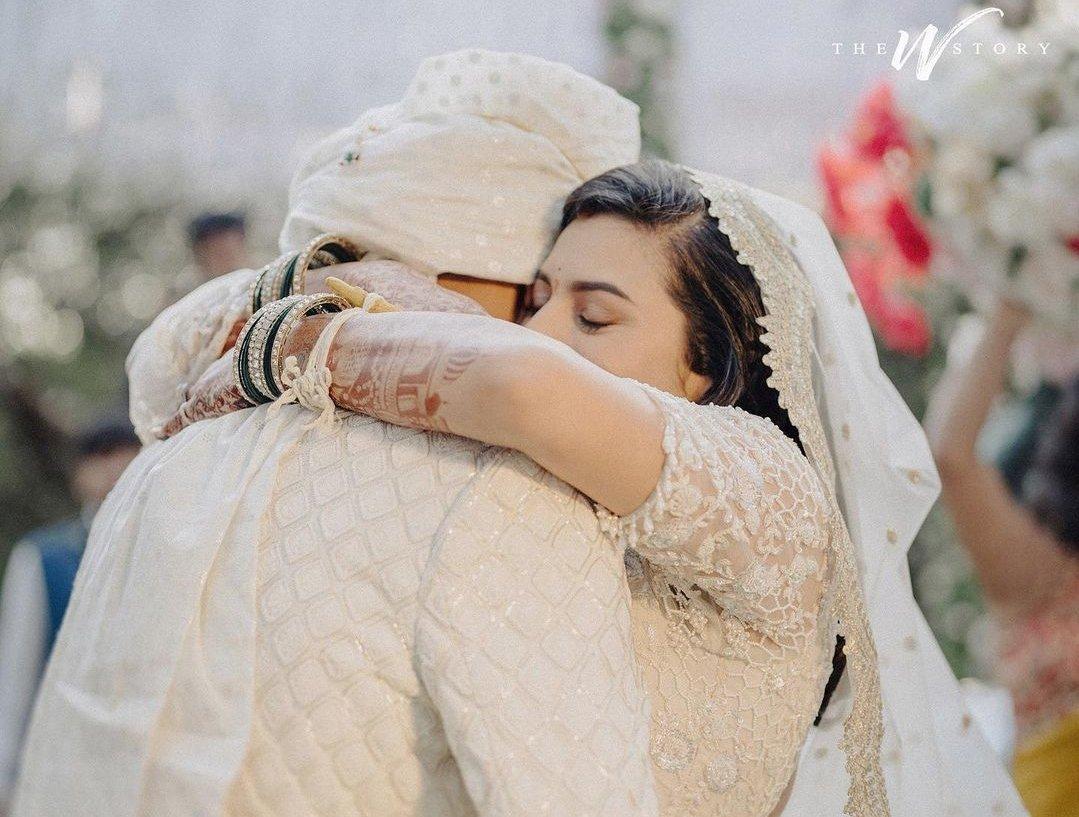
548 321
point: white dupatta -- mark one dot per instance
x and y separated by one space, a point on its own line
895 738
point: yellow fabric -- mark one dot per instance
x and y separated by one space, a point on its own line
1047 771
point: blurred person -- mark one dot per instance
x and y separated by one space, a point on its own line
219 243
1025 552
38 582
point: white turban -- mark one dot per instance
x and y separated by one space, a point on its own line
468 172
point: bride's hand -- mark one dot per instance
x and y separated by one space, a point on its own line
396 282
215 394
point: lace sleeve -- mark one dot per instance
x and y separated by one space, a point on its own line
739 513
178 346
728 562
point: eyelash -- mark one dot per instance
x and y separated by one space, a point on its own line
590 326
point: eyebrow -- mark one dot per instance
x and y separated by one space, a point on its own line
587 286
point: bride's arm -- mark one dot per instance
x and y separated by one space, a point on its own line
487 379
397 283
176 371
180 345
503 384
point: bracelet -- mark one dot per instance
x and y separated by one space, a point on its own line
247 355
287 274
257 355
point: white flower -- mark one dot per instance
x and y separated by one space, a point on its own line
1048 281
1055 153
960 173
1005 231
1017 212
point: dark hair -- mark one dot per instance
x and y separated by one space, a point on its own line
718 295
105 437
1051 486
208 225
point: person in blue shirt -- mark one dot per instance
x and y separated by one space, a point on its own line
38 580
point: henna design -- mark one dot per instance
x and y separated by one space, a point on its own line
400 285
400 379
215 395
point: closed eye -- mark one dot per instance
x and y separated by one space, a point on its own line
590 326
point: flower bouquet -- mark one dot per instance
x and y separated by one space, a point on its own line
997 141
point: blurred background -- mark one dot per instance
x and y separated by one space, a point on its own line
146 146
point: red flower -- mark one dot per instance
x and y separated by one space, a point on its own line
909 236
878 126
868 204
1073 244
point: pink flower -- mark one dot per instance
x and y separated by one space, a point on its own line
868 207
907 330
878 127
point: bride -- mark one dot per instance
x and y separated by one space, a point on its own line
695 362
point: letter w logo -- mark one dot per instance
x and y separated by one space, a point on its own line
927 59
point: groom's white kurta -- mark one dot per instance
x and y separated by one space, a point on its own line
243 636
241 639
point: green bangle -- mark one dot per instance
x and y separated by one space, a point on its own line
239 366
304 306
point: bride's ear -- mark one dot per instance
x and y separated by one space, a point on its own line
693 385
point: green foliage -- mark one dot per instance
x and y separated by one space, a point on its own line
640 38
82 269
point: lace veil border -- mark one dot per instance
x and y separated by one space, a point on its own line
788 335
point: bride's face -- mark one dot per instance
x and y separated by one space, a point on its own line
601 291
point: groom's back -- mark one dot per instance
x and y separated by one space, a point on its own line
341 720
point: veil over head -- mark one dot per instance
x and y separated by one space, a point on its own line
895 738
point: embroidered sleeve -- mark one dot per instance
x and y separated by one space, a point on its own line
733 542
739 513
178 346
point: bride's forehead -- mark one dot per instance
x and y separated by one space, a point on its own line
609 241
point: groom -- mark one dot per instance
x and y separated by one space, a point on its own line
352 712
